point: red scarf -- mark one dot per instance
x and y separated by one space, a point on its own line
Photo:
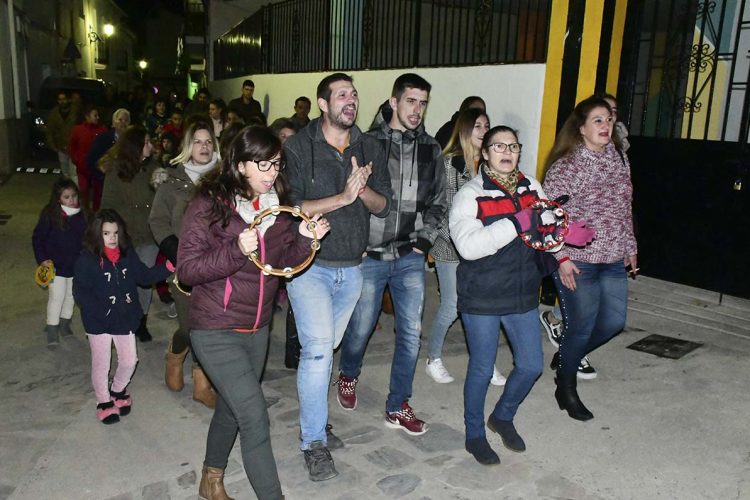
112 254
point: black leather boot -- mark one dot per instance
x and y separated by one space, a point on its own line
568 400
142 333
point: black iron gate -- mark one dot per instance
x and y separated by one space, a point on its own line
684 94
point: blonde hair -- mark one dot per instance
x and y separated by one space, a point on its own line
460 142
187 142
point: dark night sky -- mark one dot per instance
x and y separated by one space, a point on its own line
140 9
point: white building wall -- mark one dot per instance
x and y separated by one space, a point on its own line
513 94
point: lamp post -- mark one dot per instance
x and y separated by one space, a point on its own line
142 65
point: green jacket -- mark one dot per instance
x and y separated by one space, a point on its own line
169 205
133 201
58 128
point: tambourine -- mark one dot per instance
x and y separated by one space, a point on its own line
287 272
547 235
44 275
178 286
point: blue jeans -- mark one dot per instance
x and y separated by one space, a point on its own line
323 299
405 279
234 363
447 313
482 334
593 313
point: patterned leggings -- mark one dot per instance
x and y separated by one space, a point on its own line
101 357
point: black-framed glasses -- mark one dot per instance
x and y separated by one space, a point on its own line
265 165
501 147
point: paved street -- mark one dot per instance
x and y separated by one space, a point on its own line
664 428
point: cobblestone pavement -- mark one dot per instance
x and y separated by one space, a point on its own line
671 429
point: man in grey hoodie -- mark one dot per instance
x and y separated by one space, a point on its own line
336 170
396 249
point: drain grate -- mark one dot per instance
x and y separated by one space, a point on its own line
665 347
38 170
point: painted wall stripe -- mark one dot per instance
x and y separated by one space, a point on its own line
615 51
592 24
552 78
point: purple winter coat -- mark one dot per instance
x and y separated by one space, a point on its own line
226 284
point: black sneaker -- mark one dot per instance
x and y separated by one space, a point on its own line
334 443
553 326
319 462
585 370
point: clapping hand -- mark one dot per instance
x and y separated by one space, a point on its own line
322 226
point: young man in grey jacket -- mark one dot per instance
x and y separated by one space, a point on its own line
335 170
397 247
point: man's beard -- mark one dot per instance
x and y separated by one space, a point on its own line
339 121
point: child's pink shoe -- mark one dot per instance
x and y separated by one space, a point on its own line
122 401
107 413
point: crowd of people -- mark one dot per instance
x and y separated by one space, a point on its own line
178 191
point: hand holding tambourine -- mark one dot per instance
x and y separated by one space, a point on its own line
44 273
545 225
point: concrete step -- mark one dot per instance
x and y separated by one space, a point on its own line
690 306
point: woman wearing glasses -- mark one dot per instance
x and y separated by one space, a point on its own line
462 158
232 300
498 284
174 188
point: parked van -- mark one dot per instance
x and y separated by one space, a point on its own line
91 91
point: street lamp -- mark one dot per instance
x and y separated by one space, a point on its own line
109 30
142 65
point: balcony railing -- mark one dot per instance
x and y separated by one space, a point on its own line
345 35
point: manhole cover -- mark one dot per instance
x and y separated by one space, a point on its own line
665 347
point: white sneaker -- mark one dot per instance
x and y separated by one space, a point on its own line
497 377
437 372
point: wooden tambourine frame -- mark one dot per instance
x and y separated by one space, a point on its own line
287 272
266 269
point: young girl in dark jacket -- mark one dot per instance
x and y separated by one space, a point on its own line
232 301
107 276
57 240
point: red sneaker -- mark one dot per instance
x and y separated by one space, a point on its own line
405 420
346 394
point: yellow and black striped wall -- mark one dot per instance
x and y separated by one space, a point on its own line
583 57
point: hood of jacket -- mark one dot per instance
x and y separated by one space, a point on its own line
381 124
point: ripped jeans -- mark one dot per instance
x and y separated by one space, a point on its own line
323 299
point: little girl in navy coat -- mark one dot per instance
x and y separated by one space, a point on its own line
57 239
107 276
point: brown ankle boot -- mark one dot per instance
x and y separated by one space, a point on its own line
202 390
212 484
173 375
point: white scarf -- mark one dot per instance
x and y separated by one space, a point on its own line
69 211
195 171
248 212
